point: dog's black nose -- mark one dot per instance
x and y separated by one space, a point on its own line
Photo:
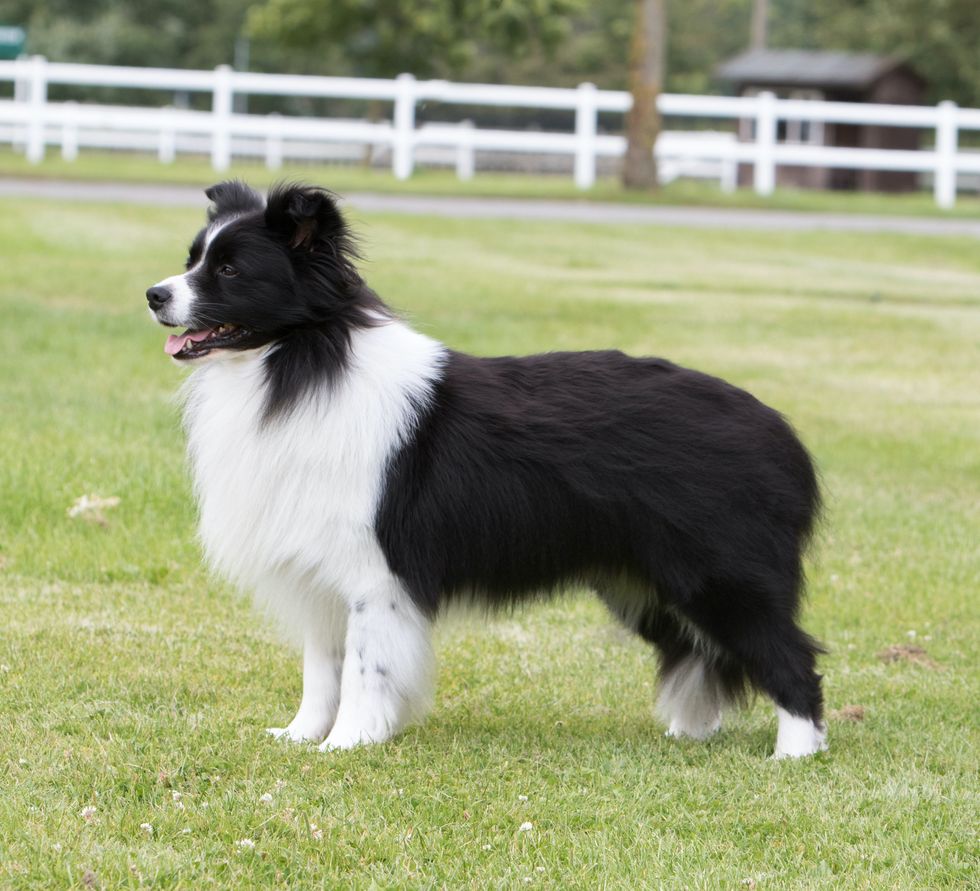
157 296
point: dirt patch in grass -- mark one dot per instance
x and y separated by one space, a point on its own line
908 653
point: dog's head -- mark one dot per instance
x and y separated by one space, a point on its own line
258 270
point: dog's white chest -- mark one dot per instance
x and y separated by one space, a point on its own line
298 495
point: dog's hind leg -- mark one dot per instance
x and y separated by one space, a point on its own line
388 667
691 699
756 631
323 657
695 685
782 665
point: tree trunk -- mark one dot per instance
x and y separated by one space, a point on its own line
760 23
647 50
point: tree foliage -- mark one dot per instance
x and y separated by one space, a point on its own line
940 38
136 32
558 42
429 38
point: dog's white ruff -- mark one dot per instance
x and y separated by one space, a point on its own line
287 511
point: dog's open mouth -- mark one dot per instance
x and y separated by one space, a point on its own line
195 344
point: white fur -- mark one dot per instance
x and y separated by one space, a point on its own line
287 511
691 700
323 660
798 737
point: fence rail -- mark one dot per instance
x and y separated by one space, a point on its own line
30 120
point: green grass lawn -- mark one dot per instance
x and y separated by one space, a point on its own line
134 690
132 167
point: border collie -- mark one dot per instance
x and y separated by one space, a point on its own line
359 477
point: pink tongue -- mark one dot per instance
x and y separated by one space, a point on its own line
176 342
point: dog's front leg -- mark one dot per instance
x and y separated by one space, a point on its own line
323 657
388 668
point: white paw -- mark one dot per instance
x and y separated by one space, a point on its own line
300 732
351 735
340 743
699 729
798 737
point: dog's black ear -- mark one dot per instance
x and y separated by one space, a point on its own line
307 216
232 197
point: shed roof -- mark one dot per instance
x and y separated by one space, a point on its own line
808 68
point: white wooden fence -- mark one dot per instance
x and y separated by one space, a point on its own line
29 118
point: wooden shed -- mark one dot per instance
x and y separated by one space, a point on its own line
834 77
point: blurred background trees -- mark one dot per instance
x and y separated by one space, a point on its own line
557 42
429 38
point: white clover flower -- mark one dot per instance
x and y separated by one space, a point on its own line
245 843
88 813
266 798
316 831
522 798
525 827
147 828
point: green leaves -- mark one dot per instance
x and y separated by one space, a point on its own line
429 38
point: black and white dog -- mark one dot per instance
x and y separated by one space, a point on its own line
358 477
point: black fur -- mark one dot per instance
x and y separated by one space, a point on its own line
683 500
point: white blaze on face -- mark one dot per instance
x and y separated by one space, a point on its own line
177 311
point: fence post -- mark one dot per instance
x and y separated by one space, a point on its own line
22 94
167 148
221 118
765 143
465 154
69 132
402 156
728 179
38 100
585 131
947 139
273 145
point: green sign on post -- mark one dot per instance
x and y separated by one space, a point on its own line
11 41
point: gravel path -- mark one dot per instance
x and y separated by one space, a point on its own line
520 209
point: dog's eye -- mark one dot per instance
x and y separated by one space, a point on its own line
227 271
